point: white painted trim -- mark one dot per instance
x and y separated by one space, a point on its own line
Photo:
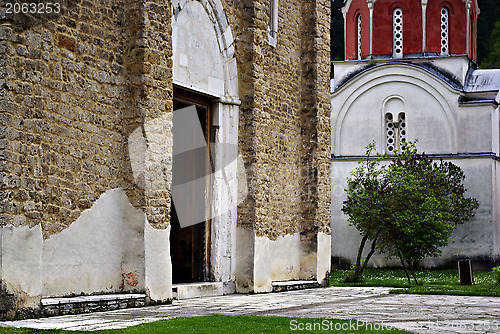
344 13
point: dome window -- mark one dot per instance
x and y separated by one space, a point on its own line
358 41
397 33
444 31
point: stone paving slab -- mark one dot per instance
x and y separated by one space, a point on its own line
415 313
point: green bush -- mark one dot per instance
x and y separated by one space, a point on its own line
496 272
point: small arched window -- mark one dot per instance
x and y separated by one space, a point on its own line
444 31
358 37
395 124
397 33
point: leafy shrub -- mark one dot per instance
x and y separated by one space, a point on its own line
496 272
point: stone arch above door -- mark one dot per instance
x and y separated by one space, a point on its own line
203 51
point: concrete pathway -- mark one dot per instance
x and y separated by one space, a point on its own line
373 307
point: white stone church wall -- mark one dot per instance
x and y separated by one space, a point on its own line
441 125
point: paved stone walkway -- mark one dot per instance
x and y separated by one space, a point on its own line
414 313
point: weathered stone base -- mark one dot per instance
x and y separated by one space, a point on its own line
262 261
88 304
111 248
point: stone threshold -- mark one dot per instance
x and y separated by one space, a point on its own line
197 289
95 303
280 286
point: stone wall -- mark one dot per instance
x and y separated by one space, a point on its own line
284 137
147 108
86 109
86 117
79 84
74 86
284 117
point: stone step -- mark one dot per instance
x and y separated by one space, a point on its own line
294 285
198 289
94 303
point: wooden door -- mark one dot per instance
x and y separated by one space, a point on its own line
190 245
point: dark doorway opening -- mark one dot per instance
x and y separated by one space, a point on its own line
190 245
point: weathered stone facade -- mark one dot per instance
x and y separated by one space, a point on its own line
74 88
284 116
86 143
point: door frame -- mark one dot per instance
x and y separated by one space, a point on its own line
202 101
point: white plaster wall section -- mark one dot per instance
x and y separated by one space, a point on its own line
415 86
475 237
87 257
220 249
221 202
262 265
21 261
158 263
475 128
309 258
430 119
240 189
245 253
362 118
495 130
345 238
133 239
196 53
324 258
284 256
455 65
387 80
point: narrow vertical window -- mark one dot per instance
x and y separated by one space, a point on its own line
401 128
358 40
395 132
444 31
389 129
272 27
397 33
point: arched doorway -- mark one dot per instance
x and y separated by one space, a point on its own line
205 76
192 138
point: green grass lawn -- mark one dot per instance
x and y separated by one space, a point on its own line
444 282
221 324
